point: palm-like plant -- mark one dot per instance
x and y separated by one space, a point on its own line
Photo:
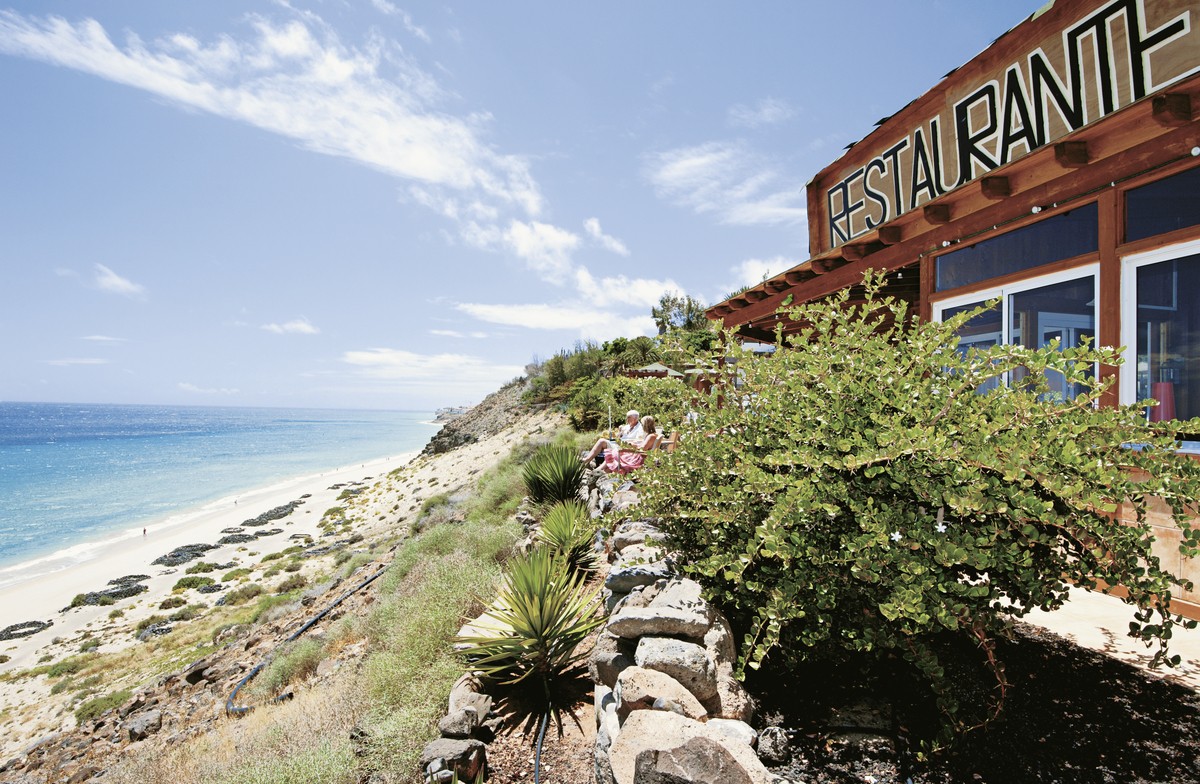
536 623
567 530
552 474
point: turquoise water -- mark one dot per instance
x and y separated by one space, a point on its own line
74 473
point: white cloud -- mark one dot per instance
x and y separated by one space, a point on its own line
300 326
592 225
590 323
621 290
103 339
545 248
398 372
107 280
368 103
454 333
73 362
726 179
768 111
751 272
392 10
186 387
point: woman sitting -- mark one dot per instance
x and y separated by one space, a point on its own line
629 457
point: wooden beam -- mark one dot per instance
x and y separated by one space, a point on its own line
776 286
995 187
722 310
821 266
891 235
937 213
797 276
1172 108
737 303
755 295
1071 155
854 252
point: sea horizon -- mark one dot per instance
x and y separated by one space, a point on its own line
76 477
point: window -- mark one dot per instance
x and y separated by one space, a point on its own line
1031 313
1160 325
1064 236
1166 205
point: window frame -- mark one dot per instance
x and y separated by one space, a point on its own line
1130 264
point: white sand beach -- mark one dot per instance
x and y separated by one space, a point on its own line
38 590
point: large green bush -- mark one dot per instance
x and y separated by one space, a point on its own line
596 404
860 492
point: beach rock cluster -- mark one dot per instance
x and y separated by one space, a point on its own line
183 554
278 513
119 588
23 629
668 707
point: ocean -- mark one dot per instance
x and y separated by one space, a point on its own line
72 474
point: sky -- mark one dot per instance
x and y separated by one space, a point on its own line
398 205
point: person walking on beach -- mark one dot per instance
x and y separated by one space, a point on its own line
143 532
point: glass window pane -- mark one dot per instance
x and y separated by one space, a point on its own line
983 331
1065 312
1064 236
1168 337
1171 203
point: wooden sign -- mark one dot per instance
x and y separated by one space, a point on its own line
1072 64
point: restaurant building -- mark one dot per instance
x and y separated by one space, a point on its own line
1059 172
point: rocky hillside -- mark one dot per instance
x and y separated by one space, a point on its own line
497 411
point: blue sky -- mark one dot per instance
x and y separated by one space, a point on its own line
376 204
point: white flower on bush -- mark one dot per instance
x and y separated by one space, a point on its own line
941 528
897 536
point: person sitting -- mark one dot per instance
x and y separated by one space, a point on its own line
630 432
628 457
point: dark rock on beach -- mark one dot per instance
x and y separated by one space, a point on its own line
277 513
181 555
24 629
236 539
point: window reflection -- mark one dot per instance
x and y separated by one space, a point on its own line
1168 337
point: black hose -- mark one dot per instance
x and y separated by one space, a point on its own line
241 710
537 757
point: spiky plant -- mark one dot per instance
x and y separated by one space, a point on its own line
535 625
552 474
567 530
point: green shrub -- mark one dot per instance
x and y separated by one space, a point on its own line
146 623
271 557
243 594
201 567
868 494
89 645
235 574
293 583
553 474
191 612
94 707
603 403
116 614
67 666
293 566
185 583
567 531
294 662
274 570
171 602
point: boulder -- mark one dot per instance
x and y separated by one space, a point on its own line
143 725
699 760
732 700
735 730
635 532
640 689
459 724
653 730
774 746
624 578
609 656
684 661
642 621
449 756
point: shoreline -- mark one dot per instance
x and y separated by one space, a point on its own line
40 589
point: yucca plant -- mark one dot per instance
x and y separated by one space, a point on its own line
531 634
536 623
567 530
553 473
